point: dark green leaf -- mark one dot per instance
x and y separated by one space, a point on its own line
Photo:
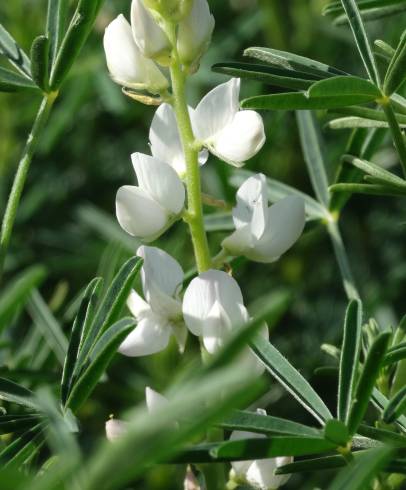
20 449
359 474
13 423
357 122
341 87
40 62
313 464
56 19
293 62
367 113
349 359
291 379
16 294
375 190
13 82
387 436
381 402
336 432
280 77
395 354
264 424
396 72
12 51
14 393
99 358
366 382
82 319
376 171
361 39
396 406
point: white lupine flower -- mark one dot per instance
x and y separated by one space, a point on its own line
115 428
150 38
147 210
194 32
213 307
259 473
165 140
126 64
154 400
264 233
234 136
159 315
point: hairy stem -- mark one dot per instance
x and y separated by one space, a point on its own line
195 209
21 175
397 135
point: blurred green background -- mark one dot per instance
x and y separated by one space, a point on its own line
66 219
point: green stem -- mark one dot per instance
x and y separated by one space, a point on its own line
396 132
21 175
195 208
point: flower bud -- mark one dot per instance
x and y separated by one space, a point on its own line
194 33
126 64
172 10
150 38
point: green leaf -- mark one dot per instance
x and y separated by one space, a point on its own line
40 62
395 354
336 432
109 309
374 190
349 360
79 29
16 294
12 51
19 450
313 464
357 122
56 19
396 406
16 423
13 82
313 155
370 10
99 358
279 77
293 62
387 436
13 393
343 88
366 382
290 378
381 402
367 113
359 473
278 190
361 39
83 318
396 72
48 325
264 424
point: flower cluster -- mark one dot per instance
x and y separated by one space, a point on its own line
169 37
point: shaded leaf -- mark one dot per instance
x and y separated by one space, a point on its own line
13 82
14 393
40 62
395 407
396 72
12 51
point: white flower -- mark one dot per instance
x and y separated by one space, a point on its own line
126 64
150 38
160 315
264 233
154 400
233 135
165 140
212 308
115 428
259 473
194 32
147 210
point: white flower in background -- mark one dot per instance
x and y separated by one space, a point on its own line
126 64
165 140
264 233
154 400
147 210
150 38
194 33
213 308
115 428
259 473
234 136
159 315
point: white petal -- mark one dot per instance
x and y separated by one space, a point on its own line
125 62
286 221
216 110
115 428
155 401
261 473
160 181
241 467
216 329
150 38
138 307
148 337
250 193
138 214
239 242
161 277
194 32
203 292
241 139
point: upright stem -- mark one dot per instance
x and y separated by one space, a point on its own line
21 175
396 132
195 209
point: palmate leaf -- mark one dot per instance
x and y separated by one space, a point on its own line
13 82
290 378
12 51
396 72
349 359
395 407
367 113
369 189
55 25
380 401
17 423
369 9
23 447
395 354
15 393
344 86
335 7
